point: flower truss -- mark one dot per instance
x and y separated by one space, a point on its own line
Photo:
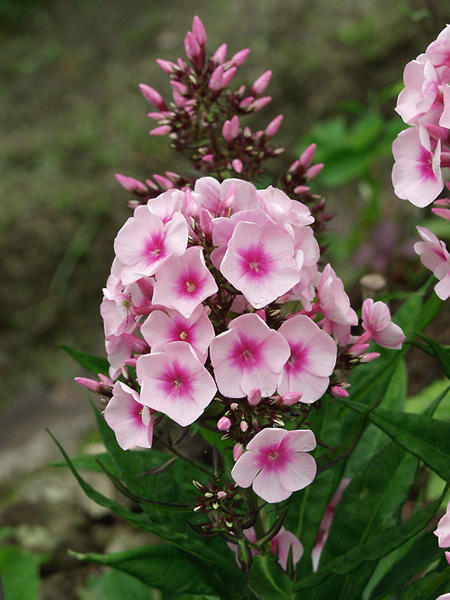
217 313
423 151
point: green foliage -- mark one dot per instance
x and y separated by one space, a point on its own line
19 574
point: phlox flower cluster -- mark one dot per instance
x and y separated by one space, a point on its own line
423 151
216 310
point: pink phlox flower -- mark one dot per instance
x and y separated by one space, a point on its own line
276 463
334 304
282 544
442 209
184 282
259 262
442 532
144 243
376 321
416 174
438 52
174 382
307 254
435 256
223 229
282 209
421 87
167 204
445 596
131 421
118 351
325 525
170 326
223 199
117 313
444 121
250 355
312 359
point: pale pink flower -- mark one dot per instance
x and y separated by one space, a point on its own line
438 52
275 463
334 304
442 532
174 382
416 174
282 209
223 199
162 327
421 87
376 321
117 314
312 359
118 351
144 243
444 596
259 262
183 282
435 256
250 355
131 421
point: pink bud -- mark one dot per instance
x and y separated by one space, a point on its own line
238 451
444 213
191 206
138 345
157 116
130 184
261 83
301 189
179 87
254 397
273 126
228 76
307 155
192 47
220 54
246 102
260 103
105 379
313 171
165 183
230 198
369 357
243 426
447 556
215 83
153 96
294 166
162 130
237 165
89 384
179 99
130 362
338 392
291 398
240 57
206 222
221 495
445 159
358 348
223 424
230 129
199 31
208 158
166 65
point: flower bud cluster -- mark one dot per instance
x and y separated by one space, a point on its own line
423 150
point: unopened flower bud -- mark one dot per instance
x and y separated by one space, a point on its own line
234 406
240 57
228 76
246 102
223 424
138 345
237 165
192 47
261 83
243 426
220 54
179 87
198 30
260 103
221 495
307 155
338 392
206 222
301 189
230 129
215 82
165 183
238 451
369 357
273 126
230 198
254 397
153 96
130 184
89 384
313 171
166 65
291 398
162 130
208 158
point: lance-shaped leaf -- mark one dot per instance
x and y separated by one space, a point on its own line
423 436
267 580
440 352
428 587
163 567
93 364
373 548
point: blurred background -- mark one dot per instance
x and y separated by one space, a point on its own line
72 116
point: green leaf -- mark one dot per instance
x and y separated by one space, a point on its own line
160 566
440 352
93 364
267 580
373 548
421 553
90 462
427 587
19 574
423 436
114 585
